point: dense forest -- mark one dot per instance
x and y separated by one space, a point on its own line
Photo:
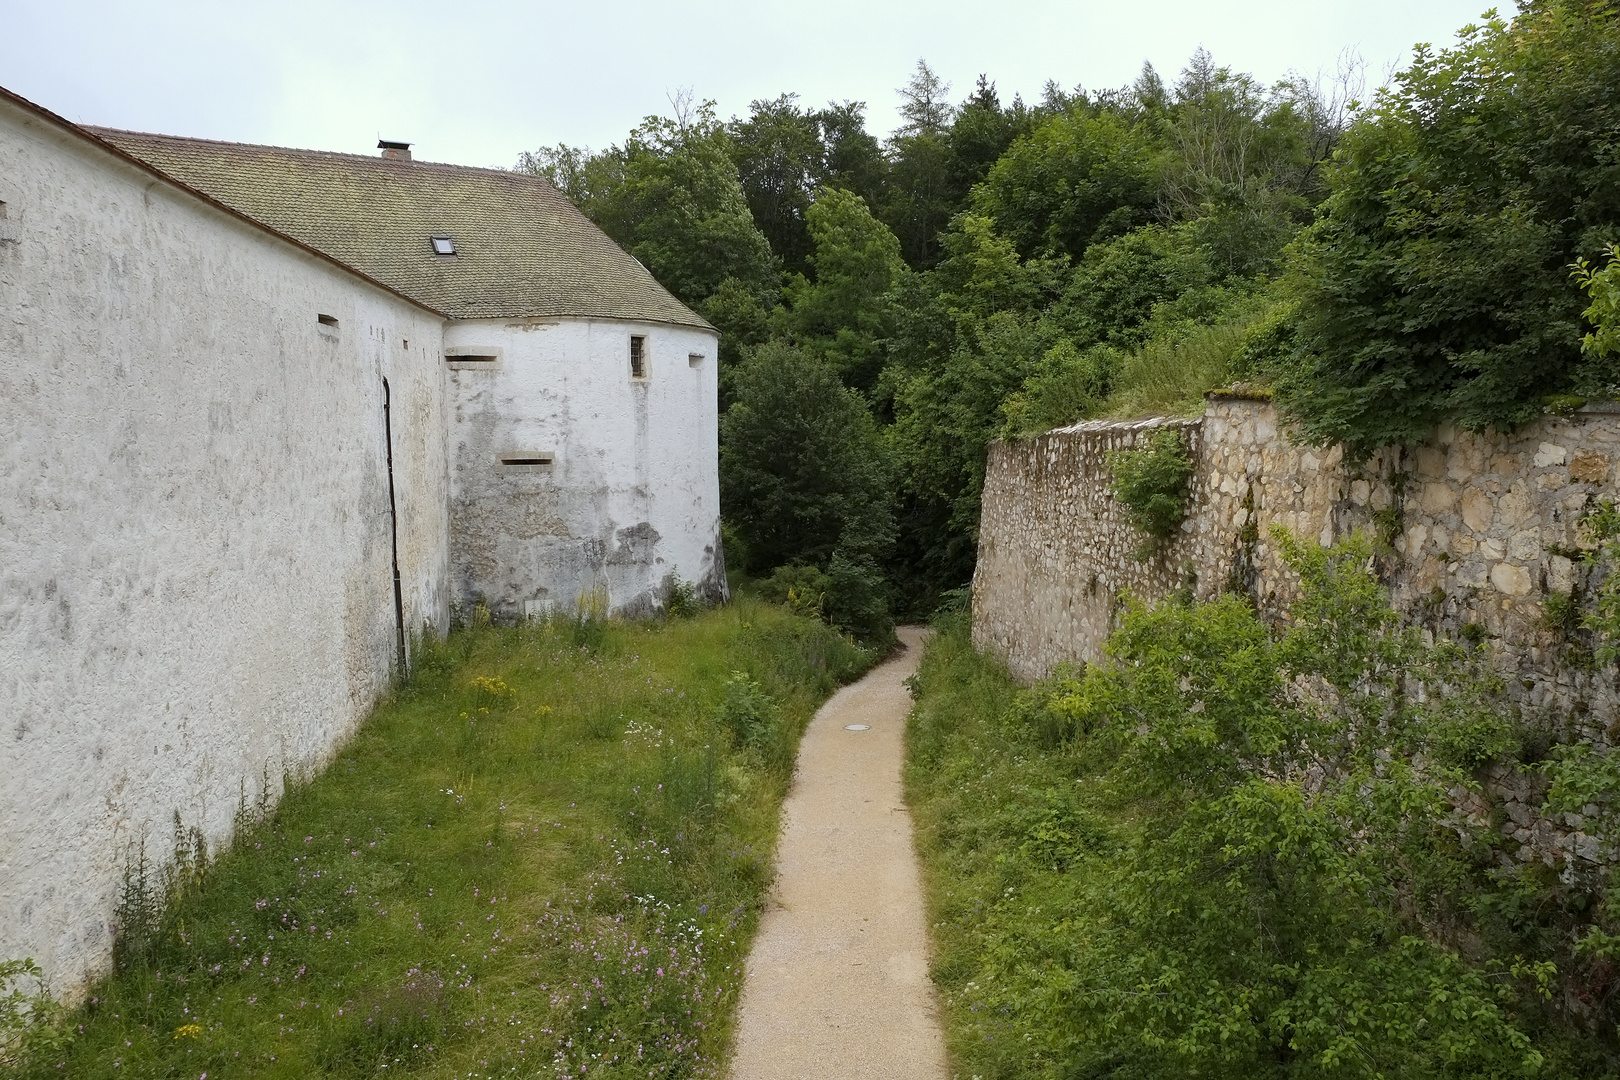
1381 261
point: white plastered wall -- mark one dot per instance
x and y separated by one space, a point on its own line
632 493
195 557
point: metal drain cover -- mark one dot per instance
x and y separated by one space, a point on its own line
855 727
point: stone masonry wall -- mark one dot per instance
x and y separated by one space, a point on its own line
1483 527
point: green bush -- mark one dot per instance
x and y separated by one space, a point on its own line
1069 386
850 594
1267 345
1117 285
1172 864
30 1022
1151 482
801 589
1436 283
681 600
858 599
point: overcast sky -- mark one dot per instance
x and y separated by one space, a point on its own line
477 81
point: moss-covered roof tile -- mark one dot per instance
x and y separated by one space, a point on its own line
522 249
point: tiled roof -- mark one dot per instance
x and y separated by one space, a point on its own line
522 249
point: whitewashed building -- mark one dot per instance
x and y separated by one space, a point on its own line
267 414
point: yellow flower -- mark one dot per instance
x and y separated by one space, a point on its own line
188 1031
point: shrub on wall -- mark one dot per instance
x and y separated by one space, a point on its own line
1151 482
1435 284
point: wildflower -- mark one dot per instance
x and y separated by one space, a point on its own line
188 1031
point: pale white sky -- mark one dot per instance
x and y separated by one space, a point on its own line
477 81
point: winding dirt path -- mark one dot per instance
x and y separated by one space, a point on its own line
837 985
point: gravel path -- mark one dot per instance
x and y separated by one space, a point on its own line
837 985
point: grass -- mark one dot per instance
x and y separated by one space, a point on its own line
544 857
1168 376
1009 829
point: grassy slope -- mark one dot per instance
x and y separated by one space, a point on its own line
1009 830
560 864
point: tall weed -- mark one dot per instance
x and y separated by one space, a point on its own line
1169 375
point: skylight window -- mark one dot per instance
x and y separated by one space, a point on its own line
443 245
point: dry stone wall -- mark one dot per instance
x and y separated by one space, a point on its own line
1483 527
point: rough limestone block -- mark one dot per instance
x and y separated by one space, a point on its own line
1560 574
1510 579
1438 498
1589 467
1515 508
1524 546
1431 463
1550 454
1477 509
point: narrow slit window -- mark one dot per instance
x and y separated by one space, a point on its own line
470 358
326 320
695 359
525 462
638 358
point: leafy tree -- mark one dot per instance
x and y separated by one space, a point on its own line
742 313
785 154
982 274
1435 286
940 310
1077 179
1230 136
980 133
683 207
804 475
1244 167
852 157
846 313
778 152
1116 286
944 422
672 197
567 167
